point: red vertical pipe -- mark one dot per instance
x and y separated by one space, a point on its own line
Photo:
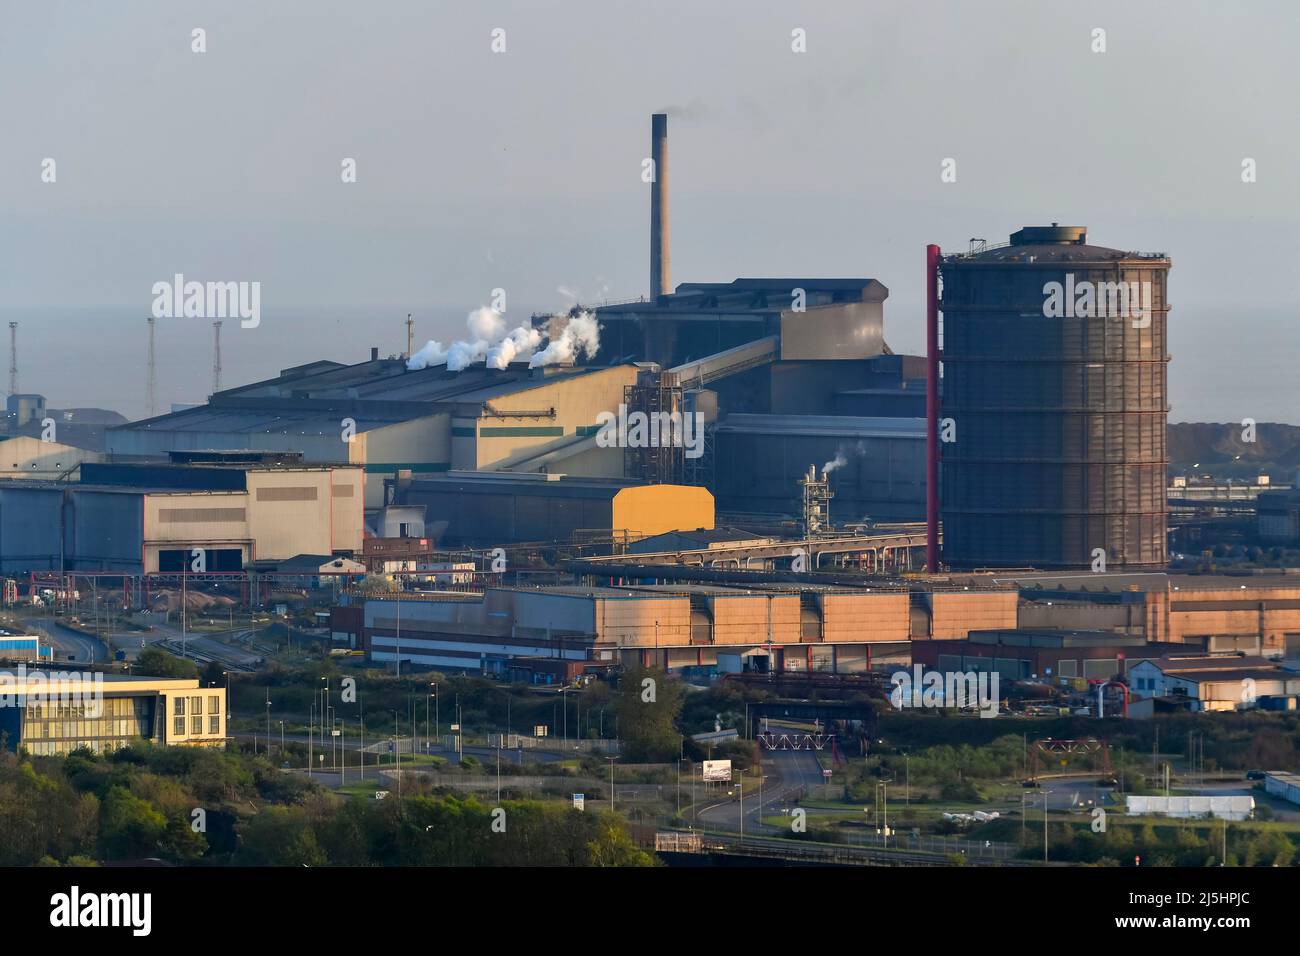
932 408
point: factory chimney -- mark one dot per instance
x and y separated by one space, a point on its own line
660 264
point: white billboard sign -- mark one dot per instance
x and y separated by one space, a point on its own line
717 770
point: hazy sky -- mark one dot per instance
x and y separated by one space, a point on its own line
521 169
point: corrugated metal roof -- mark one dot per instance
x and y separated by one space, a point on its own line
311 402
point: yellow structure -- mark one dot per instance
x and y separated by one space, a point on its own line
646 510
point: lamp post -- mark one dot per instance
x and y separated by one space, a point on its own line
227 675
1045 793
397 756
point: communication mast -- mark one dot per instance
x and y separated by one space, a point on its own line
151 380
216 357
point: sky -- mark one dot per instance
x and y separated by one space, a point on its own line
521 170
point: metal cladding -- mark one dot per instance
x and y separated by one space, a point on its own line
932 256
660 264
1055 403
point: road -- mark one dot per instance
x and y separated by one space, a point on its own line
84 648
783 771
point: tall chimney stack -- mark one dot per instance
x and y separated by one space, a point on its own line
660 264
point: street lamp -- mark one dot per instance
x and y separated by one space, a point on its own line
1045 793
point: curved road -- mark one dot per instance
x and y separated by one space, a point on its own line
84 648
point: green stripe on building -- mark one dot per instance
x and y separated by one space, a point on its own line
530 431
392 468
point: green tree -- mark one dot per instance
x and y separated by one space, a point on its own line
648 705
129 826
281 836
155 662
612 846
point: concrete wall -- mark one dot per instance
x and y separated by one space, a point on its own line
347 509
957 613
421 445
1271 612
194 519
749 619
25 457
576 400
865 617
289 513
850 330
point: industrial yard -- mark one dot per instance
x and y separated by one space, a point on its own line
465 465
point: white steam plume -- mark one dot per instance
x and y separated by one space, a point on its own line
842 457
580 337
519 344
489 342
431 354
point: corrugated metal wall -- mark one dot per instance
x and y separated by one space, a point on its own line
1060 422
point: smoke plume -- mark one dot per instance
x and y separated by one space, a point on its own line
489 342
579 337
842 456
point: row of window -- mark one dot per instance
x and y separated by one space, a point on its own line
196 705
196 725
105 707
50 748
82 729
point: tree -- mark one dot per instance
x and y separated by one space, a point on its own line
281 836
612 846
155 662
129 827
648 705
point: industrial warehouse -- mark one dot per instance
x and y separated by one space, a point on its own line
837 506
604 437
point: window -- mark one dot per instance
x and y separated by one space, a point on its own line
196 725
179 704
196 705
214 725
178 726
213 706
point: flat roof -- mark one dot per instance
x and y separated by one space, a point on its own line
522 483
1139 580
51 677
